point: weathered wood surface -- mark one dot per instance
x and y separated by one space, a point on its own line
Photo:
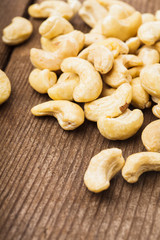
42 195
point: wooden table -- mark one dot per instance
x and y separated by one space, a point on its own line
42 194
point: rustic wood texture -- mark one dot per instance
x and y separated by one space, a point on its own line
42 194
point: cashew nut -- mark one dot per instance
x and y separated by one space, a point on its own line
102 168
156 110
133 44
135 71
148 17
42 80
75 5
150 79
138 163
68 114
155 99
64 88
107 91
90 84
149 55
18 31
91 38
149 32
110 106
54 26
68 45
50 8
5 87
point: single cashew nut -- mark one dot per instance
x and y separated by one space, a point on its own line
156 110
123 28
138 163
110 106
68 46
18 31
148 17
149 32
155 99
150 79
5 87
54 26
42 80
133 44
102 168
64 88
101 57
68 114
50 8
122 127
91 38
90 84
149 55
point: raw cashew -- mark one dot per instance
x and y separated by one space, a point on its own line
135 72
107 91
140 98
54 26
133 44
91 38
138 163
18 31
75 5
110 106
102 168
119 73
68 114
50 8
151 136
71 45
156 110
101 57
149 32
150 79
149 55
64 88
155 99
5 87
90 84
148 17
122 127
123 28
42 80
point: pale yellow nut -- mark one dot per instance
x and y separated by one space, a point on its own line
107 91
50 8
5 87
42 80
110 106
150 79
149 55
157 46
120 73
64 88
140 98
91 12
148 17
65 47
138 163
135 71
155 99
117 11
149 33
122 127
123 28
90 84
102 168
133 44
68 114
101 57
157 15
91 38
54 26
18 31
75 5
151 136
156 110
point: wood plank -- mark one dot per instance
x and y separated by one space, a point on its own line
42 195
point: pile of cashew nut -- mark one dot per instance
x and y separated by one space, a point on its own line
114 66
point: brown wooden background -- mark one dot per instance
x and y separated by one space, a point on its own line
42 195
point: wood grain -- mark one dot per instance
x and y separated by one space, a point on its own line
42 195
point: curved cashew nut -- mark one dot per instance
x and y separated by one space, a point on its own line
90 85
155 99
122 127
5 87
156 110
102 168
112 27
149 55
64 88
101 57
68 114
148 17
48 8
133 44
149 32
18 31
151 136
140 98
42 80
54 26
67 46
119 73
110 106
138 163
91 38
150 79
